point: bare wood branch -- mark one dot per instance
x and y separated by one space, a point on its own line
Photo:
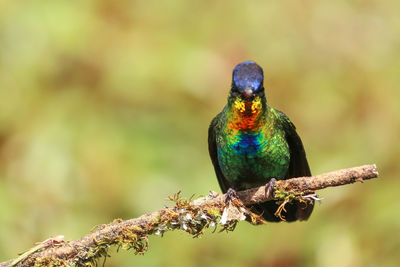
192 217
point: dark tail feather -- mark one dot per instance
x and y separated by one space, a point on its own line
294 211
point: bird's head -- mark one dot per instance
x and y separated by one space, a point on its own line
247 91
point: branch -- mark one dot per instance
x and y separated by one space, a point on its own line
191 216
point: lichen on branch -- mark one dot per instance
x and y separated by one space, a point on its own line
191 216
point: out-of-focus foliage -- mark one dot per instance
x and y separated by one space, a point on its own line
105 107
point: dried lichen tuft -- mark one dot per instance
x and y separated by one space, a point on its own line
185 216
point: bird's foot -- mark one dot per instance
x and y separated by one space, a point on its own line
230 195
269 188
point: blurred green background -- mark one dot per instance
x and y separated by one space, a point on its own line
105 107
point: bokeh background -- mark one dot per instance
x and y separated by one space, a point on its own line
105 105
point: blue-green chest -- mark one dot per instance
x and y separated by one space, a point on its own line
250 159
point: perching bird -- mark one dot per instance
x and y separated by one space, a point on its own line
251 142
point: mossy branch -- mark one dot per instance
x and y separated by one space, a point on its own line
191 216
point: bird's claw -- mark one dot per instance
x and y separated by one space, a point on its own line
230 195
269 188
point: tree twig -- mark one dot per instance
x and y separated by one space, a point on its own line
190 216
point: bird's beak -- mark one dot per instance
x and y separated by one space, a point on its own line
248 92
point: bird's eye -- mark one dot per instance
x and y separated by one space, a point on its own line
235 91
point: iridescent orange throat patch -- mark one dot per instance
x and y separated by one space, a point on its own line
245 114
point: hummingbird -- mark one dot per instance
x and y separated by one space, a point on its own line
252 144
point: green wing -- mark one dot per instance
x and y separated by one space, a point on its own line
298 165
212 149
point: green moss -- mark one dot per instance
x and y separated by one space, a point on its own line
215 212
50 262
